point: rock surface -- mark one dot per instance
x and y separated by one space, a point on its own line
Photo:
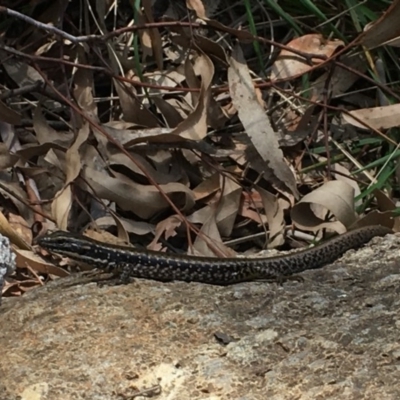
333 336
7 261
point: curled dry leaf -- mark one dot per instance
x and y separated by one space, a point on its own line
170 113
340 173
132 108
385 203
344 176
72 157
341 79
213 49
386 218
289 64
385 215
334 197
61 205
384 29
83 89
195 125
122 160
142 200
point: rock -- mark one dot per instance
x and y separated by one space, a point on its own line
7 261
333 336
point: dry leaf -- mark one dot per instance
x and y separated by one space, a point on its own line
8 115
256 122
384 29
7 230
167 227
25 258
132 108
7 159
198 7
195 125
45 133
377 117
334 197
289 64
275 216
83 89
227 206
144 201
341 79
73 161
61 206
210 230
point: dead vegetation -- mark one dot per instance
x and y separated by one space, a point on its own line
200 131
